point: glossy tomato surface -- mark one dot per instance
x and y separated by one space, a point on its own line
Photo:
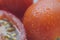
42 20
17 7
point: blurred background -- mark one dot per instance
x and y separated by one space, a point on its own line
17 7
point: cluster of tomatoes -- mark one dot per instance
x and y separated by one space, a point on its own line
41 20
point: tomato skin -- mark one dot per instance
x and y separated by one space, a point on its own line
42 20
17 7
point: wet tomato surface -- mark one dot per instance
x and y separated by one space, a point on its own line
42 20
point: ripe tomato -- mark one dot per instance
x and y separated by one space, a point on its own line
42 20
17 7
11 27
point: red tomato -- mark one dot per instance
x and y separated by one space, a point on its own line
11 27
42 20
17 7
